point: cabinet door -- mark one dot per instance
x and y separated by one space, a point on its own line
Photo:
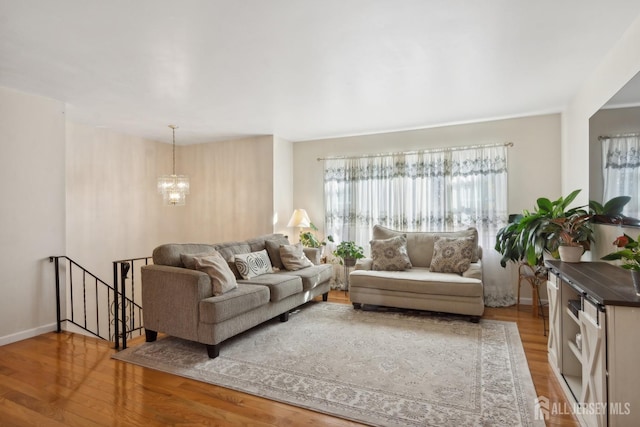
594 386
553 345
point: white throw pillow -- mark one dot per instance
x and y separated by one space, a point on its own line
253 264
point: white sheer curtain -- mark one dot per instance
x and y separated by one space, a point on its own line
423 191
621 170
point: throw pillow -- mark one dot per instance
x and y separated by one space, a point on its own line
189 260
217 268
273 249
452 254
253 264
293 257
390 254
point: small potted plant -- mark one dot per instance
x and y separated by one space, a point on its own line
629 253
349 253
571 235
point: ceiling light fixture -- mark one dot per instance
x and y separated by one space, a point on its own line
174 188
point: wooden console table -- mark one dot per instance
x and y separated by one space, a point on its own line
594 341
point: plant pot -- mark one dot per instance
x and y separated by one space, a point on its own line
349 262
635 277
570 253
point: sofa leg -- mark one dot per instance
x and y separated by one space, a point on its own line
325 296
213 350
474 319
150 336
357 305
284 316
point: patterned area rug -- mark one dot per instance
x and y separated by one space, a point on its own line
378 368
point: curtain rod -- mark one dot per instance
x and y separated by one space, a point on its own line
620 135
434 150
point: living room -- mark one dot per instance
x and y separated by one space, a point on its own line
87 191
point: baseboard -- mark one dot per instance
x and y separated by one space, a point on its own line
30 333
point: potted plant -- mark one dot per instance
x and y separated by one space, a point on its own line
532 234
570 235
349 253
630 256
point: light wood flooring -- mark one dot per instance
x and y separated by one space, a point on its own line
70 380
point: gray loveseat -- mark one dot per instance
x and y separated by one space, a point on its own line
418 287
180 301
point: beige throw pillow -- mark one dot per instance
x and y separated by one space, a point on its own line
452 254
390 254
189 260
217 268
253 264
293 257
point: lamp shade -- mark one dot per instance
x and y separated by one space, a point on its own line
299 218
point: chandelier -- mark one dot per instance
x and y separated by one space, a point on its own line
174 188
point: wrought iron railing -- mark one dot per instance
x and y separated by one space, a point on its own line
109 312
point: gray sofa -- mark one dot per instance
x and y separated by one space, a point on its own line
180 301
418 287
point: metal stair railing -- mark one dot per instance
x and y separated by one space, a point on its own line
95 306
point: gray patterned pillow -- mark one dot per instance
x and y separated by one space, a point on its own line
390 254
452 254
253 264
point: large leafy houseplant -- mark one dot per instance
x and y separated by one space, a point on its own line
534 233
629 253
310 240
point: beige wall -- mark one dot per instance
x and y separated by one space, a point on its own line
113 209
231 189
32 215
282 185
534 161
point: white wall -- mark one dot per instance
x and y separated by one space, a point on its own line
534 161
619 66
33 209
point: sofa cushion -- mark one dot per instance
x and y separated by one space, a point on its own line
390 254
280 285
418 280
311 276
293 257
451 254
273 249
169 254
217 268
226 306
228 250
420 243
253 264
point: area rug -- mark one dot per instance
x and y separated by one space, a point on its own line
377 368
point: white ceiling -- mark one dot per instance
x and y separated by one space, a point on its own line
303 69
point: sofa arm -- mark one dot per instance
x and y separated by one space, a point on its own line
313 254
474 271
364 264
170 299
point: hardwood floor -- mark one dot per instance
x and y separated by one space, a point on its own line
70 380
